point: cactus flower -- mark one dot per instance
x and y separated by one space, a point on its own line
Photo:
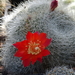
53 5
33 48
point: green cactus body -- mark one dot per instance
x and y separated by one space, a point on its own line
35 15
61 70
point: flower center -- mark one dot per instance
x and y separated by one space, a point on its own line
34 48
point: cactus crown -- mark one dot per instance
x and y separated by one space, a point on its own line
35 15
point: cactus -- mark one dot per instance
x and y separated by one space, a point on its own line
61 70
35 15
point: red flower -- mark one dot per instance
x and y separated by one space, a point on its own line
33 48
53 5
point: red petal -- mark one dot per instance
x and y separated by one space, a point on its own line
47 42
33 61
17 44
21 45
17 54
20 53
39 55
35 37
29 36
40 59
43 39
37 32
25 56
34 58
26 62
45 53
42 36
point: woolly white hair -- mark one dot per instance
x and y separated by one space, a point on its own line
35 15
60 70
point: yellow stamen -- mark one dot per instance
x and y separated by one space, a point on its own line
34 48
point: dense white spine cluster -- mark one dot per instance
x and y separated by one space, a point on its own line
61 70
35 15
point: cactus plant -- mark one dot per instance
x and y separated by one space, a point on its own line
35 15
61 70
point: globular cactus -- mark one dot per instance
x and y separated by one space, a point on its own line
61 70
35 15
